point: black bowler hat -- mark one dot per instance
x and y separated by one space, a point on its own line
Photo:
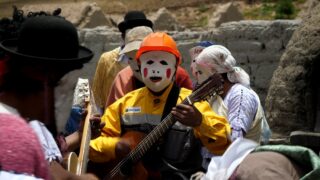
48 39
133 19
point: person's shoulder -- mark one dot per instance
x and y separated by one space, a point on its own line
127 71
182 71
111 53
12 119
141 92
4 108
185 92
238 90
124 76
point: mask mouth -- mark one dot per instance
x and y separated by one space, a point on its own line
155 79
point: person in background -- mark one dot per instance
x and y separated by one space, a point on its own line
142 109
246 158
130 78
238 102
45 48
111 62
194 52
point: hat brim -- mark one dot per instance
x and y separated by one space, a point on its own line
134 45
11 46
124 25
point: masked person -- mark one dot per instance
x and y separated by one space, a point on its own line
244 158
194 52
130 77
238 103
143 109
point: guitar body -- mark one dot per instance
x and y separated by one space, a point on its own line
139 172
72 162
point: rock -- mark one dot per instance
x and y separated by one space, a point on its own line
307 8
293 99
224 13
82 14
164 20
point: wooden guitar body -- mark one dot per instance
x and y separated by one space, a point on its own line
139 172
71 162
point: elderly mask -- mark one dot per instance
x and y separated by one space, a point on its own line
194 52
134 64
157 69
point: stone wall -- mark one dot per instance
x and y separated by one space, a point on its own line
294 95
256 45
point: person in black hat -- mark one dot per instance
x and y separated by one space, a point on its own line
133 19
112 62
35 52
46 49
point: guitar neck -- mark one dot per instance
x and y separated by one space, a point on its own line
85 141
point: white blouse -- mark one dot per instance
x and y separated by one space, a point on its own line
242 104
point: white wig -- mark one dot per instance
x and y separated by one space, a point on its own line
218 59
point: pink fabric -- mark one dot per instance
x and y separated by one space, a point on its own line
20 149
123 83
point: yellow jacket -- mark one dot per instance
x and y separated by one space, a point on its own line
138 107
107 69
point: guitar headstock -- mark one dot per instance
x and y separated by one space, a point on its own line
81 94
212 86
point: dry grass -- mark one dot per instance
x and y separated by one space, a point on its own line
108 6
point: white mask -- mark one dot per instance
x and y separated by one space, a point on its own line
202 73
194 52
157 69
134 64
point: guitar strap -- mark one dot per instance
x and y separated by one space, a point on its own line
171 100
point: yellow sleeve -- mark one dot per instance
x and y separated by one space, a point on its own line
214 130
102 149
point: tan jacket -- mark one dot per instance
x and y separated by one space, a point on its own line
107 68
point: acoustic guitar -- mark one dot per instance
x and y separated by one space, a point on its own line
83 97
210 87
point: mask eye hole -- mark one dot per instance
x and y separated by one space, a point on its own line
163 62
200 72
149 62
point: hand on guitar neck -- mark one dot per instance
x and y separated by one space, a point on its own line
187 114
72 142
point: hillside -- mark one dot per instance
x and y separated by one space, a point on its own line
189 13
